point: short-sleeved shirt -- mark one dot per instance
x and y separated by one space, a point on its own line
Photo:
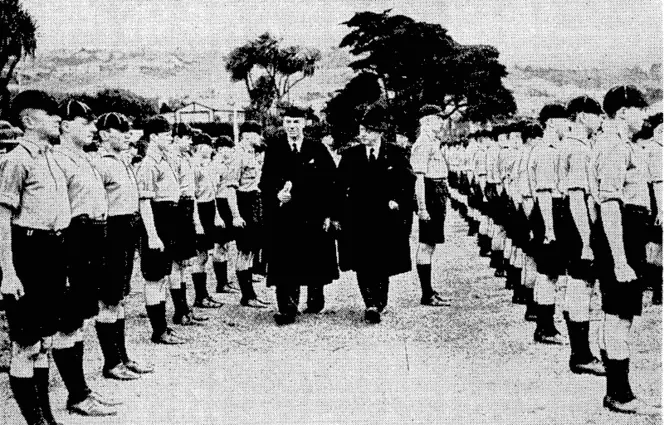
492 163
120 183
227 175
653 149
522 180
427 158
468 155
621 167
479 160
576 163
157 180
87 195
34 187
250 166
206 179
507 158
182 164
543 172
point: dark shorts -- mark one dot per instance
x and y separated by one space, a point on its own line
124 232
572 246
432 232
551 258
185 231
248 239
225 234
622 299
40 261
85 242
155 264
206 212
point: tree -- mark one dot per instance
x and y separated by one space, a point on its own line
270 71
17 39
415 63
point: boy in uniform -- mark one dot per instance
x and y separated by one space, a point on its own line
159 193
621 170
84 245
430 167
122 238
34 213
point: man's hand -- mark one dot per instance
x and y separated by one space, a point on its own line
393 205
423 214
155 242
624 273
11 285
327 223
549 237
284 196
587 254
238 222
199 228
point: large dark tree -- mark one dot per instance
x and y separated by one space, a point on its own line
269 70
414 63
17 39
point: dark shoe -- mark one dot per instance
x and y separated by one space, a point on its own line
593 367
500 273
435 300
253 303
372 315
104 400
228 289
136 368
531 311
168 338
208 302
550 338
197 317
283 319
120 373
262 301
186 320
91 407
636 406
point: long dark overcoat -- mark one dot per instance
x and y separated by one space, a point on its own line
297 249
373 237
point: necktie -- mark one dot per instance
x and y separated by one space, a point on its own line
372 155
295 148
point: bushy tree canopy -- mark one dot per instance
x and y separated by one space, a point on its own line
409 64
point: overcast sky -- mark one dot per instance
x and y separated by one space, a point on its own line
558 33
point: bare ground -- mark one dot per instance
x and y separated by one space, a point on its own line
471 363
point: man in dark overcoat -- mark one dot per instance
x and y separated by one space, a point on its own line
297 188
375 185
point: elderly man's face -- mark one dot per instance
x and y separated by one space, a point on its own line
294 126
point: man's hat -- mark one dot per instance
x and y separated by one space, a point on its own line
375 118
427 110
113 120
34 99
251 127
223 142
584 104
182 129
201 139
156 124
626 96
295 112
552 111
71 109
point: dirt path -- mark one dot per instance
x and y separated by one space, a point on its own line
471 363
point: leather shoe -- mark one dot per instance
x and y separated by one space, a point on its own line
593 367
263 301
136 368
253 302
551 339
104 400
313 310
208 302
91 407
372 315
435 300
635 406
168 338
227 289
283 319
186 321
120 373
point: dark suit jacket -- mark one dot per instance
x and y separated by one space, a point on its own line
374 238
297 248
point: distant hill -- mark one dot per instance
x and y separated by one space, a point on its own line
183 76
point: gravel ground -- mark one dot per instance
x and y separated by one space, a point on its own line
471 363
